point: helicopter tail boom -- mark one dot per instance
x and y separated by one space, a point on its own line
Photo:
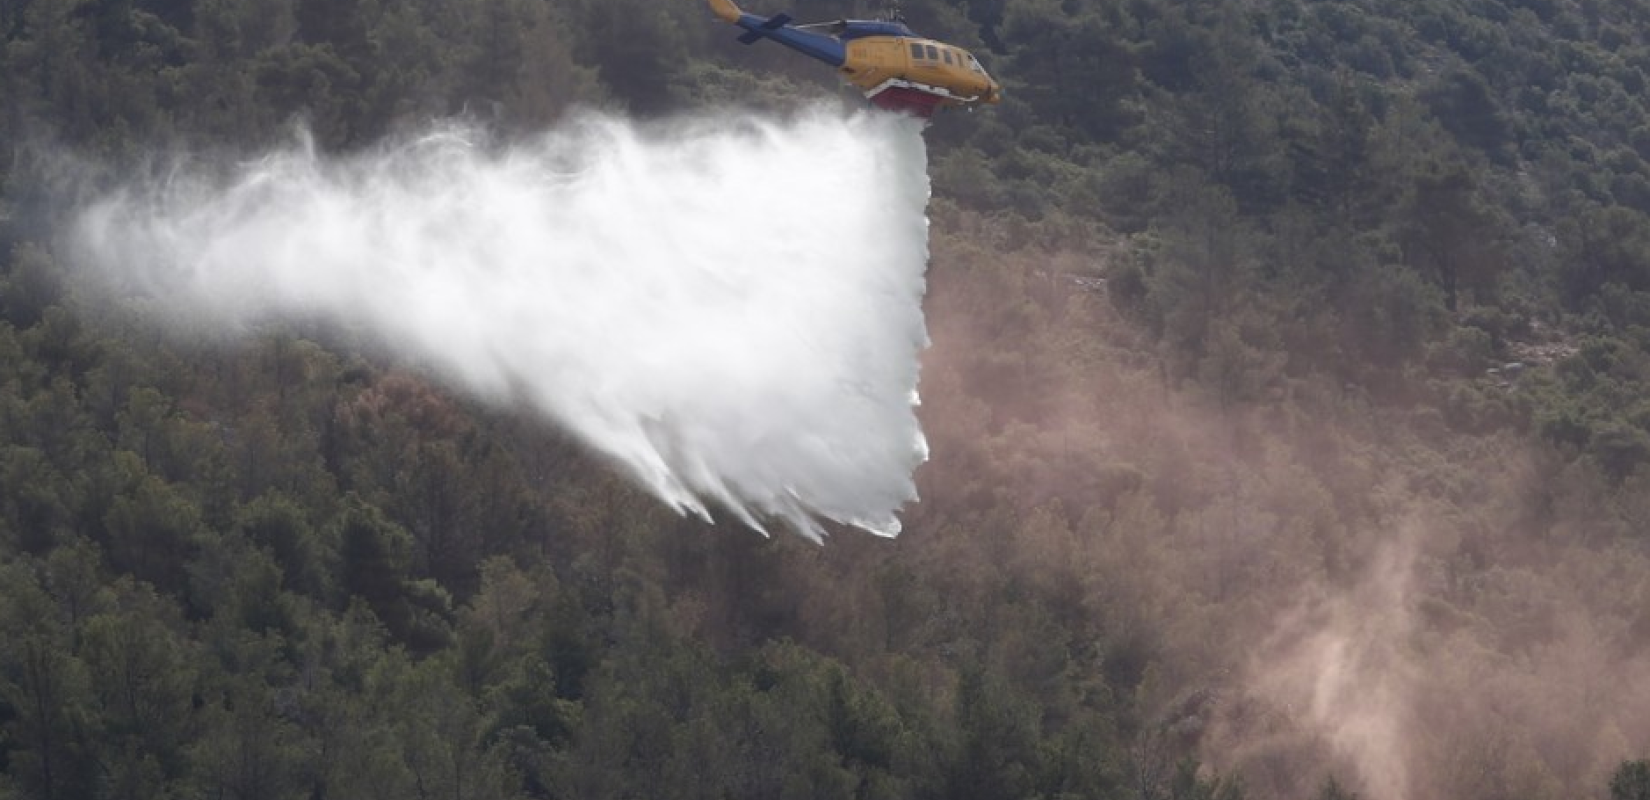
828 49
774 22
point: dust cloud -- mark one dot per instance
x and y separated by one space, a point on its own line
1311 585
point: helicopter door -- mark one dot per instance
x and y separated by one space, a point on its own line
872 61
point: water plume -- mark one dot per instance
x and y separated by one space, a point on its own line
730 309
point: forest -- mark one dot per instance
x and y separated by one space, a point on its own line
1289 402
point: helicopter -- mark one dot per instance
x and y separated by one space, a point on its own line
896 69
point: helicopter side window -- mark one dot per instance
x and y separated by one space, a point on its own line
933 53
916 50
947 54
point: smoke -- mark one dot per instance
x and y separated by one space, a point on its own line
1342 667
1507 683
1305 588
729 309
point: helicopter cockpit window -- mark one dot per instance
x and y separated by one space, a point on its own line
916 50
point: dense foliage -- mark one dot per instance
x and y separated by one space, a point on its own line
1287 402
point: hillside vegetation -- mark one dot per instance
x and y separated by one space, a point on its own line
1287 401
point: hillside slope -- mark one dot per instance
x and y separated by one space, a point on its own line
1225 499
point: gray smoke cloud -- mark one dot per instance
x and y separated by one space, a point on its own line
730 309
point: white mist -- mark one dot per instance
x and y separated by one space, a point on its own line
731 310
